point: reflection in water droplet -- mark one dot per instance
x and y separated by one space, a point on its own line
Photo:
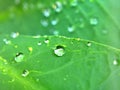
57 6
54 22
25 73
46 12
59 51
93 21
6 41
14 34
70 29
44 23
19 57
89 44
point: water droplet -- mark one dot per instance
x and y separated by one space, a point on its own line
14 34
59 51
47 41
25 73
93 21
46 12
39 43
54 22
17 2
6 41
56 32
115 62
44 23
37 80
64 79
74 3
89 44
19 57
30 49
25 6
57 6
70 29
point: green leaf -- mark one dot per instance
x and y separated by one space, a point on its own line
57 63
95 20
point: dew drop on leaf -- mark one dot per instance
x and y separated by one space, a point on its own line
6 41
14 34
44 23
59 51
89 44
74 3
115 62
55 32
46 12
25 73
93 21
70 29
19 57
47 41
54 22
57 6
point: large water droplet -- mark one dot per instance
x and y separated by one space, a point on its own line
57 6
25 73
93 21
44 23
46 12
14 34
19 57
59 51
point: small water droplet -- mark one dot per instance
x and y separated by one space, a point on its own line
30 49
54 22
25 6
17 2
6 41
47 41
14 34
115 62
64 79
74 3
93 21
46 12
59 51
55 32
19 57
57 6
44 23
25 73
39 43
89 44
70 29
